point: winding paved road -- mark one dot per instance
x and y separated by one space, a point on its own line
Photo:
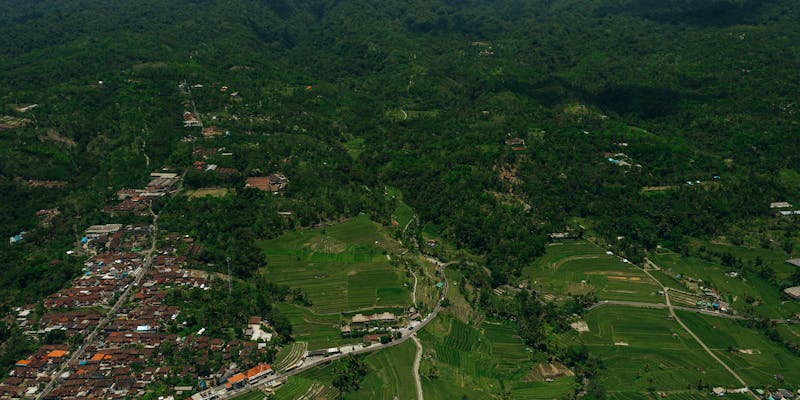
406 333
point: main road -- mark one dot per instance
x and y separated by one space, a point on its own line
406 333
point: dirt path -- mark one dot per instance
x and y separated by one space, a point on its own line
414 292
417 360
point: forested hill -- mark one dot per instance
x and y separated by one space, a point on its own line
696 90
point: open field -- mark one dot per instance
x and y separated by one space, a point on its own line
644 349
480 362
354 147
341 267
774 259
403 215
759 359
210 191
734 290
257 395
389 374
299 388
568 264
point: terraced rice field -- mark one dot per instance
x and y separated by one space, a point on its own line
480 362
319 331
754 357
290 355
579 267
389 374
341 268
644 349
294 388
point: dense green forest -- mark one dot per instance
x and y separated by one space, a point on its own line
347 98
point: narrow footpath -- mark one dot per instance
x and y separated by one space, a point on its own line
417 360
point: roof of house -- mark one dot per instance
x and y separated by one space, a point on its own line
258 369
257 182
793 292
56 354
237 378
794 261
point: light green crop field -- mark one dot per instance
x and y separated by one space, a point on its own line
389 374
565 265
354 147
734 290
319 331
403 213
726 338
209 191
341 267
643 349
772 258
257 395
294 388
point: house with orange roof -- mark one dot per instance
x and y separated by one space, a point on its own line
259 371
56 354
236 381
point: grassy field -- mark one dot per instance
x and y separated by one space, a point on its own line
758 369
210 191
566 264
354 147
643 349
734 290
389 374
774 259
341 267
403 213
481 362
257 395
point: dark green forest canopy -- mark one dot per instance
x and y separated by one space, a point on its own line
696 89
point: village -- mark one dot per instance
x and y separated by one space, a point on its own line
115 320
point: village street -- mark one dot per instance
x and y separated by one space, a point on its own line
56 376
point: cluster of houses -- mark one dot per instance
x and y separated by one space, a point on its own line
137 201
135 350
373 327
104 276
32 372
704 297
785 209
191 120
